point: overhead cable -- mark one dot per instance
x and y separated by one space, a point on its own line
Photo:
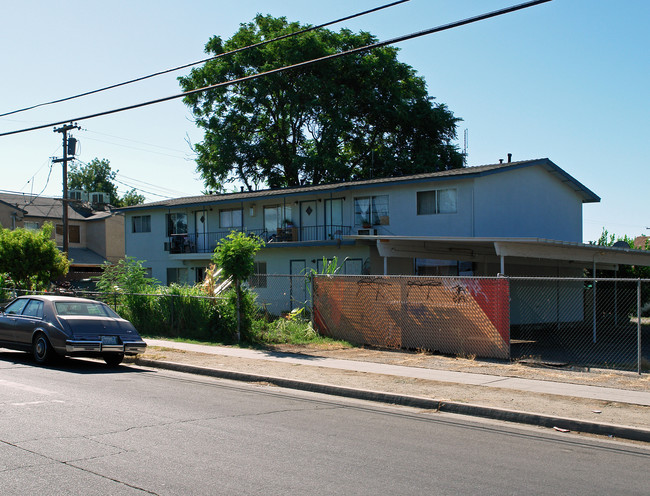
231 52
365 48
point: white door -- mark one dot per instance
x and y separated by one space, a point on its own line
201 223
308 221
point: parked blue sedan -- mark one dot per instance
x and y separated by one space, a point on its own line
48 326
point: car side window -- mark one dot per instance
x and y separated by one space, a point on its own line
16 307
34 309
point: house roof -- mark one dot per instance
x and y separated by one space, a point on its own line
587 195
84 257
43 206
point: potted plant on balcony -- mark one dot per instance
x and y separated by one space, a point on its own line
365 223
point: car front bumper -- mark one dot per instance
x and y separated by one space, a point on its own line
127 347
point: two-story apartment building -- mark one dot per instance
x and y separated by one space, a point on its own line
528 199
517 218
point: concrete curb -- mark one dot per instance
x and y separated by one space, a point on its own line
618 431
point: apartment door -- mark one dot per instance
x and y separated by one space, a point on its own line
308 221
297 284
201 223
334 218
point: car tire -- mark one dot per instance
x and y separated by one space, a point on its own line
113 359
42 350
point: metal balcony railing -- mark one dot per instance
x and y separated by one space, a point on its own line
207 242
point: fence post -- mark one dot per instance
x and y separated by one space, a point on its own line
313 299
638 324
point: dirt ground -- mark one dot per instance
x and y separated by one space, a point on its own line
547 404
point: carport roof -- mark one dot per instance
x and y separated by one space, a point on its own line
469 248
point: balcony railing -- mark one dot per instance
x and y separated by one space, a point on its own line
207 242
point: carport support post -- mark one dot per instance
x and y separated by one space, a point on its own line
638 325
594 302
503 265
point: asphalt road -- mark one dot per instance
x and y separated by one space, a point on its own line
80 428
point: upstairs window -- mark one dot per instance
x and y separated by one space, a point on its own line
141 223
275 216
439 201
230 218
371 211
176 224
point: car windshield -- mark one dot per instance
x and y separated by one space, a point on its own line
86 308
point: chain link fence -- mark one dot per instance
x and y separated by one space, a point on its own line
277 295
457 315
557 321
586 322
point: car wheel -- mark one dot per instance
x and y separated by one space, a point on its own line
42 350
113 359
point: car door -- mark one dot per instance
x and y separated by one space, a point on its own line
27 321
8 319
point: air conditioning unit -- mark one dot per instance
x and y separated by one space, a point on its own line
77 194
100 198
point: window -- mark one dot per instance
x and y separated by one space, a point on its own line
230 218
177 275
89 309
439 201
141 223
73 233
274 217
16 308
176 224
371 211
31 226
258 279
34 309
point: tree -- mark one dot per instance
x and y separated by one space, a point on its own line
31 258
355 117
235 255
128 275
634 271
130 198
97 176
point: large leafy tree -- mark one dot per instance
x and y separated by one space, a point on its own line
355 117
97 176
31 258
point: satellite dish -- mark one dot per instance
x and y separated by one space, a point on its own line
621 244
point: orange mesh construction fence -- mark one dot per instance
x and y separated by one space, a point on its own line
456 315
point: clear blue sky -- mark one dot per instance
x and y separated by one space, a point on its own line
567 80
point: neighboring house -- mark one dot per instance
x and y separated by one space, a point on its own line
468 221
95 236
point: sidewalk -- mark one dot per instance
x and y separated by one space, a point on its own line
621 411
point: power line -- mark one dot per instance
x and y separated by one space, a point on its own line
160 73
365 48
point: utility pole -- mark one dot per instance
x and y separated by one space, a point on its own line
64 130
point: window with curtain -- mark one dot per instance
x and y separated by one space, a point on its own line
141 223
439 201
230 218
371 210
176 224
